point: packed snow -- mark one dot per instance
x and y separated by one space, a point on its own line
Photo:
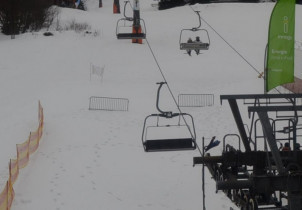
95 159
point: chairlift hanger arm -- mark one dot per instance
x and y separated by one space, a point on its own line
127 18
196 28
167 114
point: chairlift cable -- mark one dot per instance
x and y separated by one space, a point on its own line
170 91
256 70
228 44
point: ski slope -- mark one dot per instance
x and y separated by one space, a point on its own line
95 159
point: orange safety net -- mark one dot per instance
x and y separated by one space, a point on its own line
34 141
13 170
24 150
10 194
7 196
3 198
23 154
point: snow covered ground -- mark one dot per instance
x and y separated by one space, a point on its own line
95 159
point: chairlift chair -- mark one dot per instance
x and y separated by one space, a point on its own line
203 44
124 27
174 141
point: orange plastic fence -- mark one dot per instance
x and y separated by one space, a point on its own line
24 150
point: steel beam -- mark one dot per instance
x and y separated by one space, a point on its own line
268 133
239 123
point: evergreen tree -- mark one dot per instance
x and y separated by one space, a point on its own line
19 16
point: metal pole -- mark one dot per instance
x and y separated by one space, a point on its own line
203 187
136 28
136 14
265 69
270 138
239 123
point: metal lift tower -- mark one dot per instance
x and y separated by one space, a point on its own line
267 174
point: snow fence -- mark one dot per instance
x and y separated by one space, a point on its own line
24 150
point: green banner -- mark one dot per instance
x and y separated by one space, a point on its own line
281 45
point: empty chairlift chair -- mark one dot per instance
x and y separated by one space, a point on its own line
167 131
201 36
124 27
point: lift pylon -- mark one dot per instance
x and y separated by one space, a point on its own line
136 29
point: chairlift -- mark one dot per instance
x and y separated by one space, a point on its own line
124 27
167 131
202 41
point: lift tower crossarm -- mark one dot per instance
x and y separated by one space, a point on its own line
232 99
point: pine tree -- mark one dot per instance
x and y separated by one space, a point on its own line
20 16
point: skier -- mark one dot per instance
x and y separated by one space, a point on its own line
189 41
197 40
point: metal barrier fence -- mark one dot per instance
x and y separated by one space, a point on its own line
108 104
195 100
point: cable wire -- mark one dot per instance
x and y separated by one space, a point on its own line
228 43
254 68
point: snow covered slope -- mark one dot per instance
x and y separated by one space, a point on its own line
94 159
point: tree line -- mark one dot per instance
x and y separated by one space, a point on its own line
20 16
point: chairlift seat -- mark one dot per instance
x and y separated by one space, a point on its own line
169 144
131 36
194 46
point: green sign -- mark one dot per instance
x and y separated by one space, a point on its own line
281 45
